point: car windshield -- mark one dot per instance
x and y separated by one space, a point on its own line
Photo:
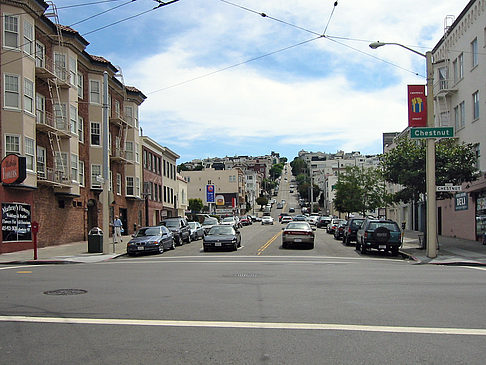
357 223
193 225
390 225
298 225
221 230
228 219
171 223
150 231
210 221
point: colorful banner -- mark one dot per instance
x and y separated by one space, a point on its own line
417 106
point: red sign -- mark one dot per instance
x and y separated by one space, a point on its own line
13 169
417 106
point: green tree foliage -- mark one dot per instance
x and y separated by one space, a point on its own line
276 171
195 205
261 201
298 166
405 165
360 190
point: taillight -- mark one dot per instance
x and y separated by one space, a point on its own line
366 235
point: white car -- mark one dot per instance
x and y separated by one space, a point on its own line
266 219
313 219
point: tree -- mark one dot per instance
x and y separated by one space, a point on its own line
261 201
405 165
195 205
298 166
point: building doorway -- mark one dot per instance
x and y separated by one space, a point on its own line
124 219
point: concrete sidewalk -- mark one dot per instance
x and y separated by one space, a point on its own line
452 251
69 253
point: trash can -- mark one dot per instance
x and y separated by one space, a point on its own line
95 240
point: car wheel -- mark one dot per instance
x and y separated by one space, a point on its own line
363 248
357 246
347 240
206 249
161 248
394 251
284 245
131 253
172 245
311 246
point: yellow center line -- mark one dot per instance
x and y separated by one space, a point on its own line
24 272
269 242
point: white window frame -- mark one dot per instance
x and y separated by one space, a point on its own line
8 145
94 92
29 38
41 162
137 153
74 168
80 85
60 65
475 105
474 53
10 28
29 152
94 127
60 116
40 109
80 129
11 88
81 173
129 185
460 66
128 115
73 71
456 118
40 54
118 184
137 186
73 119
129 150
29 90
462 114
95 171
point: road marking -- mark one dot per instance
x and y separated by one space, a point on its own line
15 267
474 268
249 325
268 243
23 272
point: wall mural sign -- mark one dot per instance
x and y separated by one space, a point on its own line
16 219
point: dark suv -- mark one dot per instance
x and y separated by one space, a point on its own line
379 234
180 229
350 230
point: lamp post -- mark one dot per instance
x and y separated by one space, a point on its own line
431 215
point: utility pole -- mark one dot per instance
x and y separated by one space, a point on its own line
106 170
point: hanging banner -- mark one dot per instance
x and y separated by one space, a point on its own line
417 106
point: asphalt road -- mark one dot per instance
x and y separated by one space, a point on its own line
259 305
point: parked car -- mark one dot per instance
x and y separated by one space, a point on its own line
333 225
222 236
339 231
379 234
323 221
298 233
245 221
179 228
266 219
208 223
312 219
350 230
151 239
231 221
197 231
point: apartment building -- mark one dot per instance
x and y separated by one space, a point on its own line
51 127
460 91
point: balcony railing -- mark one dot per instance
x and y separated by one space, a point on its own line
48 123
444 86
53 177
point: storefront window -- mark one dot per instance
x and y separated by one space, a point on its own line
480 215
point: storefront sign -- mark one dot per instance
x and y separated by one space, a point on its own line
210 193
16 218
13 169
417 106
461 201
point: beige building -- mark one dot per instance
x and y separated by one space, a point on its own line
229 189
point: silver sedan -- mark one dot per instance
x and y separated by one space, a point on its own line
298 234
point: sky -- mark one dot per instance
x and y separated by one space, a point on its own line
223 80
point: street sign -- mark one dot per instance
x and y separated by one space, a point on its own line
449 188
210 193
434 132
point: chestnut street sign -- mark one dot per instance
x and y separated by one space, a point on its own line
432 132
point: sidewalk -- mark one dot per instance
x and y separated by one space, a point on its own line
69 253
452 251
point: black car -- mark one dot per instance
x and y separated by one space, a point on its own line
350 230
151 239
323 221
179 228
339 231
222 236
379 234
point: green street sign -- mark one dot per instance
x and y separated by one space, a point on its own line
432 132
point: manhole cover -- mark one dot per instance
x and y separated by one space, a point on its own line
65 292
244 275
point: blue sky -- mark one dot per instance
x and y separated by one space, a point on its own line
314 93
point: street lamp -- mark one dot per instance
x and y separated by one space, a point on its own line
431 215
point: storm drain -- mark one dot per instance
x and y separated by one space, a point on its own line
65 292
